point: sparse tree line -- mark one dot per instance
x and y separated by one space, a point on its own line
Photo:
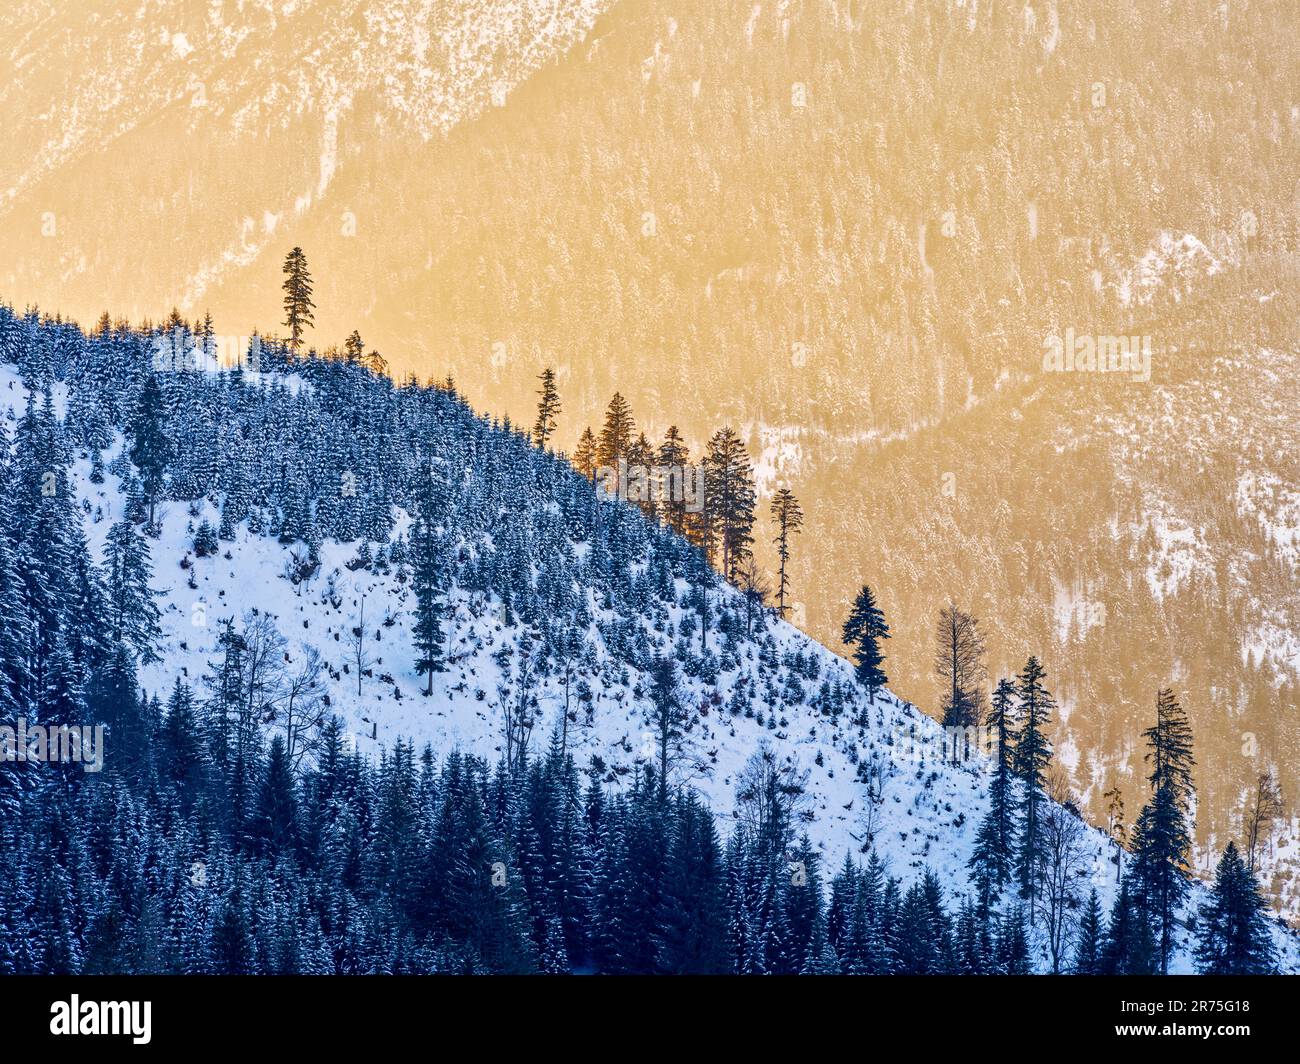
711 503
1035 846
1031 844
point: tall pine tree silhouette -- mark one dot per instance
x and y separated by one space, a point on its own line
585 455
789 519
617 433
863 631
729 499
1087 958
427 582
673 458
548 407
1162 835
991 863
1033 755
298 306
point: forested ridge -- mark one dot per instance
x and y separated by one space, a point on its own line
227 835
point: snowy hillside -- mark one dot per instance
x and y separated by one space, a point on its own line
874 775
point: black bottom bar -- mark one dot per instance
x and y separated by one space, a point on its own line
231 1013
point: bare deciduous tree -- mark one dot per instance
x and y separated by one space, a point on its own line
1266 807
755 588
571 647
959 662
1057 785
1060 860
517 701
262 673
770 794
872 775
302 706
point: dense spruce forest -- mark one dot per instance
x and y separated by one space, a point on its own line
220 837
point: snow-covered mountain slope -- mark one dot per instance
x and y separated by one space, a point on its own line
874 774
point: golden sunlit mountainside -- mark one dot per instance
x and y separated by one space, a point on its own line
847 229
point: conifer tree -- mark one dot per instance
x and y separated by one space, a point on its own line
585 457
729 499
555 955
821 959
207 339
1033 755
61 703
1162 834
844 889
1012 943
701 525
1117 945
970 955
151 449
919 951
861 942
205 540
617 434
548 407
427 581
673 459
667 717
640 488
298 306
789 519
1088 952
692 919
132 610
115 699
232 939
991 863
354 349
226 682
1234 936
276 822
14 678
181 746
863 630
59 949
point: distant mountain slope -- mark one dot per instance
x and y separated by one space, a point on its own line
536 559
253 106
